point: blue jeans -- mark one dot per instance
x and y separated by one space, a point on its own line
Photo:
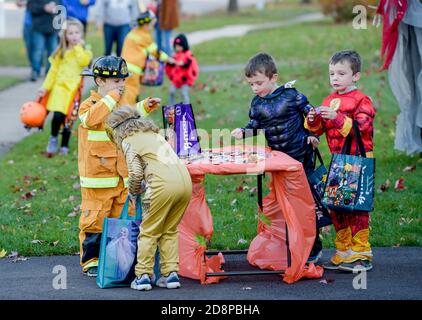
27 38
163 37
40 43
115 34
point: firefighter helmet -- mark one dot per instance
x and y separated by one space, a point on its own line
145 17
108 67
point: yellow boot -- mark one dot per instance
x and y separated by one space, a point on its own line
361 248
343 243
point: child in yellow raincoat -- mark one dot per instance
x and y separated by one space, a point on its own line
136 48
102 167
63 81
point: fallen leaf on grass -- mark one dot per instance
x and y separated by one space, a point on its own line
404 220
241 241
16 189
3 253
29 195
384 186
234 201
399 185
76 186
239 189
37 241
409 168
10 162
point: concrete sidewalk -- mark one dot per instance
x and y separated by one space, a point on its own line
12 130
395 277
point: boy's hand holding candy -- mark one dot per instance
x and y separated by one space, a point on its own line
328 113
237 133
152 104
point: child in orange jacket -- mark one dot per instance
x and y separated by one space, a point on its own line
136 48
102 167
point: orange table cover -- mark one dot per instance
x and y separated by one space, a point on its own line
288 202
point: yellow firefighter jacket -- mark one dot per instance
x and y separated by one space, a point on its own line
101 164
137 46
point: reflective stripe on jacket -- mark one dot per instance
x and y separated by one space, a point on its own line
100 162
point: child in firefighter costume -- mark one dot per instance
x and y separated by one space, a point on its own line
137 46
102 168
183 72
63 83
335 118
168 189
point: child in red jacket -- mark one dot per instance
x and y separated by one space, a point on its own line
335 117
183 72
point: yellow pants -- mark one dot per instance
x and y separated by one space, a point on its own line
164 204
96 205
132 89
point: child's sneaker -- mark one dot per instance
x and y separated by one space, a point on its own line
170 282
52 145
141 283
92 272
314 258
64 151
329 265
359 265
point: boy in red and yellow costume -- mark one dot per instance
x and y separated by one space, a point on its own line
335 118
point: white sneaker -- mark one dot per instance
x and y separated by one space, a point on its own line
170 282
142 283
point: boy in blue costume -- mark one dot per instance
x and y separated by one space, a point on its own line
280 112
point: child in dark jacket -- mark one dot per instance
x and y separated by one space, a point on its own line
280 111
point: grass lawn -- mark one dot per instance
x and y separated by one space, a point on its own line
221 100
6 82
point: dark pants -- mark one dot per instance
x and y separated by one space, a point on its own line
115 34
59 120
309 166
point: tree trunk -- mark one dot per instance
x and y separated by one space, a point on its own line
232 7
